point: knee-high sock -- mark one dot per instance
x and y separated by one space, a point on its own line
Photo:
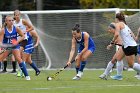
4 65
23 68
108 68
82 66
77 69
14 65
119 67
136 67
33 65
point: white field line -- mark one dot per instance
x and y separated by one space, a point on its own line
96 86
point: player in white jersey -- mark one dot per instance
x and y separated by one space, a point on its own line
118 56
128 41
22 24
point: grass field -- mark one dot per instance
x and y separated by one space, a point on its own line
90 83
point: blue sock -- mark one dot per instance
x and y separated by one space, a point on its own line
82 66
77 69
33 65
23 68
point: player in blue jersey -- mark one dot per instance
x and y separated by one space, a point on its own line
29 48
86 48
8 35
138 56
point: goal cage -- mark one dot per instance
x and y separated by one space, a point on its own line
54 29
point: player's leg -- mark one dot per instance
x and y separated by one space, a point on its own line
32 64
78 59
109 67
22 65
13 64
130 57
119 65
22 47
83 63
2 57
4 66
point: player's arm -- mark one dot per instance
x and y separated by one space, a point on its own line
73 46
1 35
116 35
26 23
35 35
138 35
86 38
21 34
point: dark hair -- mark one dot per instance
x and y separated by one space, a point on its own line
76 28
112 26
120 16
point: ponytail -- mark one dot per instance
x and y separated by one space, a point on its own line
120 16
76 28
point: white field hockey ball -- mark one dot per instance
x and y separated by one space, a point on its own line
49 78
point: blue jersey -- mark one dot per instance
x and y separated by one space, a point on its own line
10 35
29 48
91 45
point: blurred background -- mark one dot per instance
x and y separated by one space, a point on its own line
54 26
9 5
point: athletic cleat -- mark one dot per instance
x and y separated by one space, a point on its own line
27 78
13 71
4 71
76 78
103 76
137 75
37 73
20 74
117 77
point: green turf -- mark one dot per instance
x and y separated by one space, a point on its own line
90 83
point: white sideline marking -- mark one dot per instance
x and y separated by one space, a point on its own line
84 87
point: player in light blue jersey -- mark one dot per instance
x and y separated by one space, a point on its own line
29 48
86 48
8 35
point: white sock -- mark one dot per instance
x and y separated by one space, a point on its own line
80 74
108 68
136 67
119 67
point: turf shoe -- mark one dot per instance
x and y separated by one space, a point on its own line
37 73
27 78
117 77
103 76
76 78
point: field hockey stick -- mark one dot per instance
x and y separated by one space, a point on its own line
56 74
2 50
5 47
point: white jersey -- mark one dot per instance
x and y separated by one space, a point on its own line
126 36
22 27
